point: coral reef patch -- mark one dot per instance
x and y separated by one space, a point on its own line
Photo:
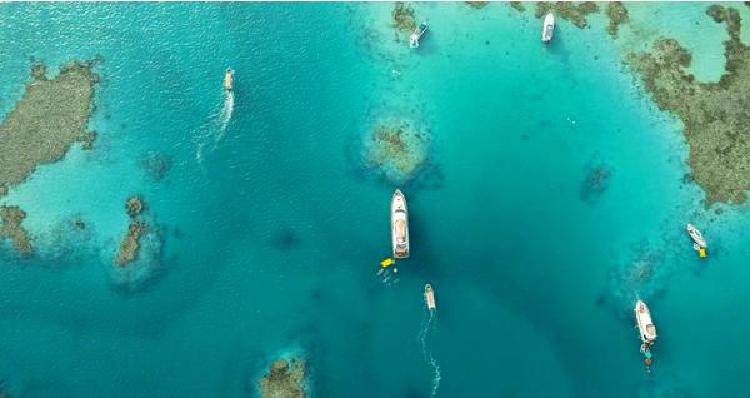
11 218
518 6
715 115
477 4
595 183
398 148
285 379
618 15
130 243
51 115
573 12
404 18
156 165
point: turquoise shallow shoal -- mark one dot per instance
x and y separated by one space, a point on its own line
272 226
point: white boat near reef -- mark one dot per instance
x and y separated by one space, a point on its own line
645 325
696 235
229 79
429 297
416 35
399 225
548 28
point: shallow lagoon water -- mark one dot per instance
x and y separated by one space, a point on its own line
273 228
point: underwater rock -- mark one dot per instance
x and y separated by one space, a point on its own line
518 6
575 13
129 245
11 218
618 15
156 165
398 148
595 183
716 116
134 205
404 18
51 115
476 4
285 379
88 140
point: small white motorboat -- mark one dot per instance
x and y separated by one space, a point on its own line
399 226
416 35
697 236
429 297
548 28
645 325
229 79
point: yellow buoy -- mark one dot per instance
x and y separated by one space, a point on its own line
702 252
387 262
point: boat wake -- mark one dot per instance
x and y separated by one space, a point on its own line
426 326
210 134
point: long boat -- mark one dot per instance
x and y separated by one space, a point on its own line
548 28
399 226
645 325
429 297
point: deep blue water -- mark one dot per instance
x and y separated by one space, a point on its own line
271 227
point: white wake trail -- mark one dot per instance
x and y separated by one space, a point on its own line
426 326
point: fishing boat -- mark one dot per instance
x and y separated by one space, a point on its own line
416 35
645 325
429 297
699 242
229 79
548 28
399 226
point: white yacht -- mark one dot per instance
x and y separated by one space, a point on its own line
548 28
429 297
399 226
416 35
229 79
645 325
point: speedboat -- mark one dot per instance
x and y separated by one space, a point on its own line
399 226
416 35
699 241
429 297
645 325
548 28
229 79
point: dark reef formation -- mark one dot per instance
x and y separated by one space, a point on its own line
716 116
477 4
596 183
284 380
11 218
397 148
518 6
404 19
573 12
130 243
156 165
618 15
51 115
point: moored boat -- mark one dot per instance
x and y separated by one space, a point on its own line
429 297
229 79
645 325
548 28
416 35
399 225
699 242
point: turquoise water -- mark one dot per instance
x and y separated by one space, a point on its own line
271 228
